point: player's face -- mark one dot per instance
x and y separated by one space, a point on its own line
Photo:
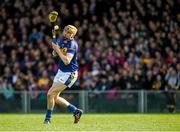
67 34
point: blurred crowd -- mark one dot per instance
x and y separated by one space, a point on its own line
123 44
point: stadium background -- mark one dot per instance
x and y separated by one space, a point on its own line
129 54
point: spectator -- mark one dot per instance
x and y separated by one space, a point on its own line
2 87
8 91
171 85
43 82
158 83
132 43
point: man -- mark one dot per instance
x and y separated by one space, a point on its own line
67 73
172 85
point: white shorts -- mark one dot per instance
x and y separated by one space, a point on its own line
66 78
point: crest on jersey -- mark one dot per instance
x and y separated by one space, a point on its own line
64 51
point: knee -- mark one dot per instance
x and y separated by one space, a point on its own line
50 94
56 97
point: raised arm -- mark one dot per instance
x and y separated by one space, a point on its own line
65 58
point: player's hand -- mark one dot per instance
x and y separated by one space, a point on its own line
55 47
54 53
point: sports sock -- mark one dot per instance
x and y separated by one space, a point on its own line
71 108
48 114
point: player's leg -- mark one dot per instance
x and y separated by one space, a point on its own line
62 102
52 93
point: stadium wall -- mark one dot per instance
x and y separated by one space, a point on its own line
112 101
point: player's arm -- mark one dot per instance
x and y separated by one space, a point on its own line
65 58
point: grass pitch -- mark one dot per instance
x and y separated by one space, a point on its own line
91 122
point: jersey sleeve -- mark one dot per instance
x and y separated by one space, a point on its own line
72 48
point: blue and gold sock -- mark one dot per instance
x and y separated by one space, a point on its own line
71 108
48 114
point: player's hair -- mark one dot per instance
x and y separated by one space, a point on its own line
72 29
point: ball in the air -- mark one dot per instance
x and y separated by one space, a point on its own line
56 27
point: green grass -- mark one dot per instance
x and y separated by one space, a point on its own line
91 122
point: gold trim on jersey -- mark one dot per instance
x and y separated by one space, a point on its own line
64 50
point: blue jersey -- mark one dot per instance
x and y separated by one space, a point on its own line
70 46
